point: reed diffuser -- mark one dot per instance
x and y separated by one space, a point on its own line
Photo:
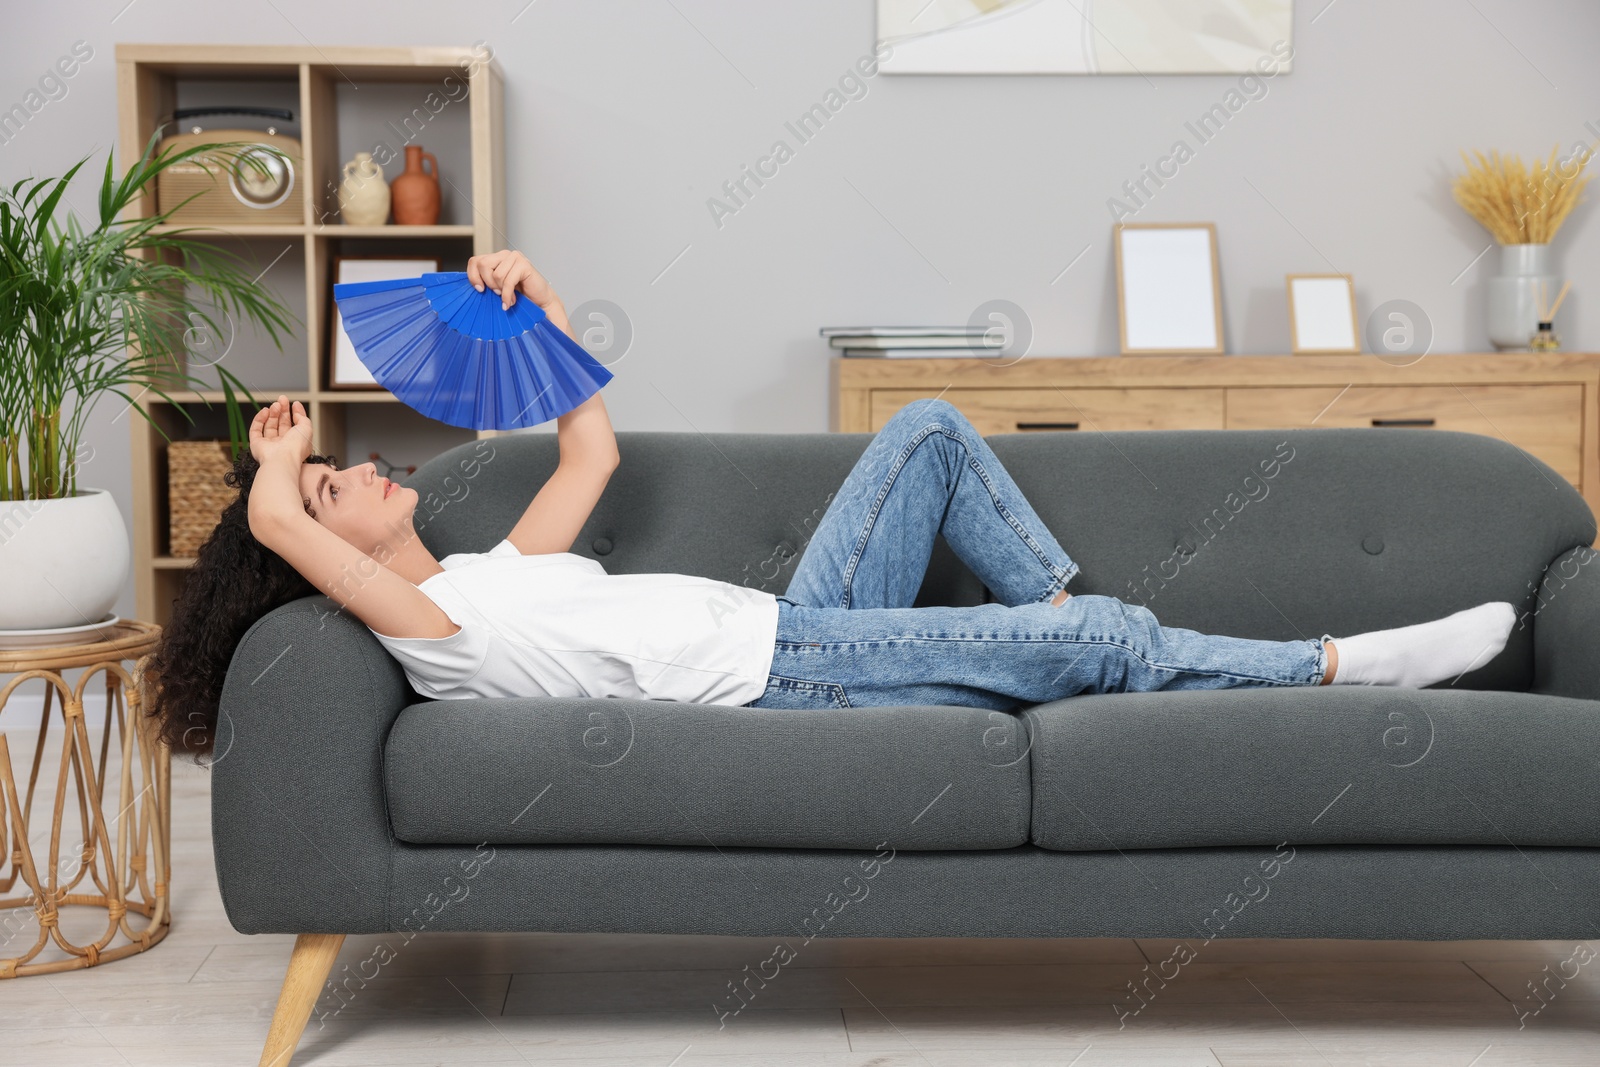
1545 338
1522 207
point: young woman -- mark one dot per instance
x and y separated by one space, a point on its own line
528 617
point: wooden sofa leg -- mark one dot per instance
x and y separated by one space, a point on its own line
308 969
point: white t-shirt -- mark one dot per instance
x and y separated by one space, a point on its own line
556 624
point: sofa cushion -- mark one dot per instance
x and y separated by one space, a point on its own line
1335 765
586 771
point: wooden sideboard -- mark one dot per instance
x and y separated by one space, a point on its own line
1544 402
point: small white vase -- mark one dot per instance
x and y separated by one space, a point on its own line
1514 294
363 195
63 562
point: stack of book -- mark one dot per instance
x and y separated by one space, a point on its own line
920 342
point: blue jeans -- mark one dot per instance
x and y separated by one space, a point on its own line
849 637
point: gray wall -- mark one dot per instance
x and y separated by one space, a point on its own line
928 195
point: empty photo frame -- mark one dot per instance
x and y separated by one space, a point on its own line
1322 314
1169 300
344 369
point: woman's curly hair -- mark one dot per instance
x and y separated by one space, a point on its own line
234 581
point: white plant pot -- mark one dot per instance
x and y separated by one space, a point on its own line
63 562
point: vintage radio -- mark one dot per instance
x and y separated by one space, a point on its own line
258 182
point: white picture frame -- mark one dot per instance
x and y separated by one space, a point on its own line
1322 314
1169 292
344 369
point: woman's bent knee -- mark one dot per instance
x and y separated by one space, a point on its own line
937 414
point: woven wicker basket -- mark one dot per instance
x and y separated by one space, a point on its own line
196 493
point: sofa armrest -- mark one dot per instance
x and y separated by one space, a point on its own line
1566 626
299 820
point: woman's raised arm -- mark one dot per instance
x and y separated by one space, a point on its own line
280 439
588 445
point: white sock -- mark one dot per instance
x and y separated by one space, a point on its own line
1411 657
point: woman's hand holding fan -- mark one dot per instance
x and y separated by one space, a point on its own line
506 272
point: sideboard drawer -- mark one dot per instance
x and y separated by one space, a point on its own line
1546 420
1013 410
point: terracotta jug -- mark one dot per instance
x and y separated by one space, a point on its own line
363 195
416 192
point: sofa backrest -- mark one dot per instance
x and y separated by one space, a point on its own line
739 507
1296 533
1254 533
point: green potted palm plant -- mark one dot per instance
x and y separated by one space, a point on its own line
86 310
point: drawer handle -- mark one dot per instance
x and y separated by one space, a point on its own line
1047 426
1402 422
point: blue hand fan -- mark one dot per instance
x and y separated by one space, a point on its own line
456 355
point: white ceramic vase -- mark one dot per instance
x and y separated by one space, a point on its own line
1514 294
63 562
363 195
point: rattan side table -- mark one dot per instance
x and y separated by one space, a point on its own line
131 876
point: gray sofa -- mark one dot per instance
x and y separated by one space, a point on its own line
345 803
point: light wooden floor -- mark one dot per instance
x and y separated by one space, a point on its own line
205 995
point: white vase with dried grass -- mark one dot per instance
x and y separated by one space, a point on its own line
1523 208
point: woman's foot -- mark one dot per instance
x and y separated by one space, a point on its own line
1060 598
1410 657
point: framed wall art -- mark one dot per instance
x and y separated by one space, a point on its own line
1105 37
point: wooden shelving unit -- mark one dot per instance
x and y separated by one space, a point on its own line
150 80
